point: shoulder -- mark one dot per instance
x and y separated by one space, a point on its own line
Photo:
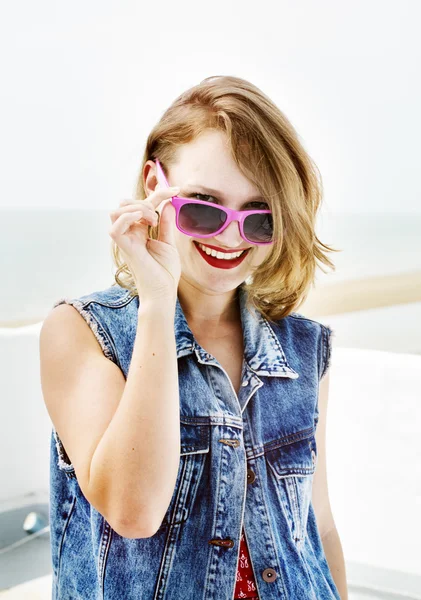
298 323
111 315
114 296
306 333
300 320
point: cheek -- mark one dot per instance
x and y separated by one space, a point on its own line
260 254
184 245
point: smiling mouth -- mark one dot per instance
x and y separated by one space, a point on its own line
224 252
221 263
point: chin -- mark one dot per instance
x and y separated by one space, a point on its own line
218 284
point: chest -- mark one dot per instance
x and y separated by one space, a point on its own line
228 349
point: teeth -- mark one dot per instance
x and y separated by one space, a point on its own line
221 255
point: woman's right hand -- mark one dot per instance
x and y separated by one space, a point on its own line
154 264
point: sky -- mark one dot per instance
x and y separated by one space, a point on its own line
82 84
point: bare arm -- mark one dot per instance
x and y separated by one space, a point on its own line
320 498
121 435
134 467
335 557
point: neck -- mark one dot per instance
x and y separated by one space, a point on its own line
206 309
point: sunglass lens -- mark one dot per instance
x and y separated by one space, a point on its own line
199 219
259 227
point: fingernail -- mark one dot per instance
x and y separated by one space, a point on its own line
175 189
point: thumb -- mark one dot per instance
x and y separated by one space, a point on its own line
167 224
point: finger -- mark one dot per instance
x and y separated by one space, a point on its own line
155 198
167 224
158 196
161 194
146 210
126 220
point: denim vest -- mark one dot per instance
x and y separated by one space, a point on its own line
244 461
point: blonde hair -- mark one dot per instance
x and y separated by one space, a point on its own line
267 150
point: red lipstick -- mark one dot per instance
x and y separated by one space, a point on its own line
221 263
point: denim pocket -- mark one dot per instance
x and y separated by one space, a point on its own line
292 465
194 447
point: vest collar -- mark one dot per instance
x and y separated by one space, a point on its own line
262 347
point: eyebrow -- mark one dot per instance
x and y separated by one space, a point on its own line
189 189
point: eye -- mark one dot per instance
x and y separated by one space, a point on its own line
203 196
250 206
258 206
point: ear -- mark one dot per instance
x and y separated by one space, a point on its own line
150 179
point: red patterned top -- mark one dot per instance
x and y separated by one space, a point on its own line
246 585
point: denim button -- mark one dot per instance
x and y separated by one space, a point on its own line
269 575
228 543
245 383
233 443
251 476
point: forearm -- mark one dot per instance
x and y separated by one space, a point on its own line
136 461
334 554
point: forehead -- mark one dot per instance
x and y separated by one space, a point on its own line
207 162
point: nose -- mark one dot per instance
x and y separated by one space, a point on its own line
231 236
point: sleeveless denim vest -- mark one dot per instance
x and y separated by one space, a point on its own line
244 461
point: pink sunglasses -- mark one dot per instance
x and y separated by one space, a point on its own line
202 219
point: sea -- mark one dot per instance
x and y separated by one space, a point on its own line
52 253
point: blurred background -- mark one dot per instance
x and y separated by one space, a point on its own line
82 85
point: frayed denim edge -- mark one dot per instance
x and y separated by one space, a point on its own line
79 306
327 338
61 463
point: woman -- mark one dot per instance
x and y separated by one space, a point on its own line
185 397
